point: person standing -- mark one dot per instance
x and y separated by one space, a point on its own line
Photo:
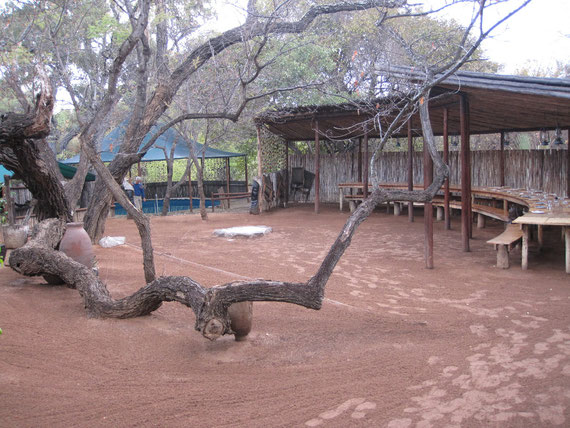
139 193
128 188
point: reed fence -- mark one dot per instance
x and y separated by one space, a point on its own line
533 169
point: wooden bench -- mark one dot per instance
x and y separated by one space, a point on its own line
352 199
504 242
481 209
224 196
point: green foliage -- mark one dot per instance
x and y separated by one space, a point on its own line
3 212
107 24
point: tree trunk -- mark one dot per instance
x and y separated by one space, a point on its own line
200 182
166 200
97 211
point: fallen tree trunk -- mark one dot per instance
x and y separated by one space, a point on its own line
210 305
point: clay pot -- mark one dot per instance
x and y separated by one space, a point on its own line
241 315
15 236
77 245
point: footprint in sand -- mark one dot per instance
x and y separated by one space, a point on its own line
360 407
357 293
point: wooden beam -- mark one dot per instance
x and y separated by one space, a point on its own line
410 169
502 160
465 173
317 167
428 209
446 211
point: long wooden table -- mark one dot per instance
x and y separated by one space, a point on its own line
549 218
544 209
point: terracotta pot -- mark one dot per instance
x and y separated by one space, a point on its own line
241 315
15 236
77 245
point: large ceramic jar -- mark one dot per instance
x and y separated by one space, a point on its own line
77 245
241 316
15 236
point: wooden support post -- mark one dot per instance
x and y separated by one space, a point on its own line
568 169
287 172
446 196
228 178
428 210
246 174
317 167
190 188
465 174
502 256
397 208
439 213
259 171
9 202
410 169
502 160
567 247
540 236
525 241
366 165
360 159
480 221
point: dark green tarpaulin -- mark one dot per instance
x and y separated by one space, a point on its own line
67 171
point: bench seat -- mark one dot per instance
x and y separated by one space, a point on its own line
504 241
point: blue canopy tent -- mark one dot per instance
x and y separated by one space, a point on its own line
110 146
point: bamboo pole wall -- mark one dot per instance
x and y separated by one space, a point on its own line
533 169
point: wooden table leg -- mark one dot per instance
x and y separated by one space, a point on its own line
540 236
340 197
525 239
567 245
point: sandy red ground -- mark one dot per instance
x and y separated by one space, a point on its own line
395 345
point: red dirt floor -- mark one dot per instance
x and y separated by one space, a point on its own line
395 345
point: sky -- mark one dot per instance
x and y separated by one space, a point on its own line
536 36
539 34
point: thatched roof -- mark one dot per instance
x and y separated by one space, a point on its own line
497 103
